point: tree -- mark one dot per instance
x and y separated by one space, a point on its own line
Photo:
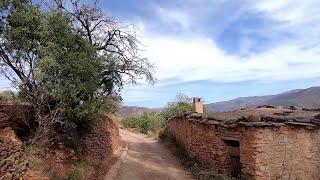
55 69
68 72
20 39
62 71
180 104
117 47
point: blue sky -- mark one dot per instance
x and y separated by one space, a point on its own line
222 49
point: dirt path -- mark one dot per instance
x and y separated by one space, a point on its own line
146 159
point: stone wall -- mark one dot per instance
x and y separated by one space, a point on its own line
12 164
205 142
15 123
286 152
281 153
104 140
18 117
212 147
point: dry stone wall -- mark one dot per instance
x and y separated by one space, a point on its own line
104 140
18 117
204 141
12 164
285 152
15 123
281 153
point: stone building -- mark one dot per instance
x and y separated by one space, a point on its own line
260 143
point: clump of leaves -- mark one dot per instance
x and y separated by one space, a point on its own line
180 104
148 122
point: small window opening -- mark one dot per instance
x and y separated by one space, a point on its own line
233 143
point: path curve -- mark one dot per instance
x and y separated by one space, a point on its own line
146 159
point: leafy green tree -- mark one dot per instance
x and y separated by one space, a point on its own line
180 104
68 74
118 47
68 71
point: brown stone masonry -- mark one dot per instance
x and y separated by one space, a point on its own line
281 153
104 140
277 147
18 117
12 162
16 121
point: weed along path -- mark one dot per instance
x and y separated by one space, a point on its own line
146 159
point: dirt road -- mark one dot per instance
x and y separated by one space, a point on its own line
146 159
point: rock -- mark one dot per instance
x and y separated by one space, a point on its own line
315 121
7 176
254 118
11 155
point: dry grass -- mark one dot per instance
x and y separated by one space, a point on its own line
48 165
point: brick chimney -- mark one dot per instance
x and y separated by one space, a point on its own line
197 105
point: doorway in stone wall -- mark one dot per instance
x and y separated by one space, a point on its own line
234 157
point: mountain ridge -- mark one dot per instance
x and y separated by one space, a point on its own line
303 98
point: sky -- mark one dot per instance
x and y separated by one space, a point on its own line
221 49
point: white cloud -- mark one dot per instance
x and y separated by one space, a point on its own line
292 11
199 58
193 56
138 94
173 17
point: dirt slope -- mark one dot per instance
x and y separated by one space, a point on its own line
146 159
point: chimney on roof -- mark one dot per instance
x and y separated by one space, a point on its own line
197 105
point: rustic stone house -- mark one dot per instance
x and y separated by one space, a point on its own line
260 143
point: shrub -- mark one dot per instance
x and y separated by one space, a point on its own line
7 95
180 104
80 171
148 122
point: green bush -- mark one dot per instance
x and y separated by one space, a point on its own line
180 104
148 122
155 122
7 95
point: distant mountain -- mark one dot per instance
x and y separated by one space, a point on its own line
135 111
304 98
239 103
132 111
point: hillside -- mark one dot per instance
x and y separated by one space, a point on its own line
131 111
304 98
239 103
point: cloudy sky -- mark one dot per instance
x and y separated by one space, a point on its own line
222 49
